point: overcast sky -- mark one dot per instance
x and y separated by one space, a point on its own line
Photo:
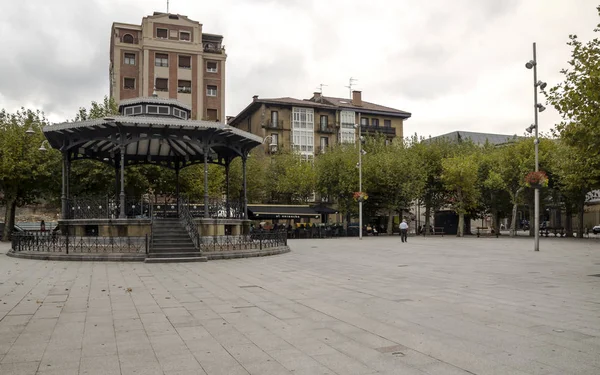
455 65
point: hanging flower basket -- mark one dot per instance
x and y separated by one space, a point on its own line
360 196
536 180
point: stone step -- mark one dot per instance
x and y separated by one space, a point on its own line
171 239
176 260
173 247
173 254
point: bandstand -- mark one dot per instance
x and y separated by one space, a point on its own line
153 131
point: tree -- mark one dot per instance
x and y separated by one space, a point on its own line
337 177
25 172
292 179
394 175
577 99
459 175
494 199
432 152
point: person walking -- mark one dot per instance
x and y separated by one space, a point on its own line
404 231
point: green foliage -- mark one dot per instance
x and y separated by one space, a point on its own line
577 99
107 107
292 179
337 176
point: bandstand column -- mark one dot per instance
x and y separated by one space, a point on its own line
122 195
177 185
227 189
206 210
245 198
63 196
68 177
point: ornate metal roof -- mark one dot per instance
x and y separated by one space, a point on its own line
165 141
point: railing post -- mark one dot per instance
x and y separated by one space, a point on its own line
146 243
67 242
260 237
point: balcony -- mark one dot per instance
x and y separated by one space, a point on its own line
213 48
326 128
386 130
269 124
128 39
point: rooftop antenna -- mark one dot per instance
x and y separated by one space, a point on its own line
321 91
167 6
350 84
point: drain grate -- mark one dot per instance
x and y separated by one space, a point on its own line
395 350
250 286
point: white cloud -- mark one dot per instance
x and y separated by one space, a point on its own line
454 65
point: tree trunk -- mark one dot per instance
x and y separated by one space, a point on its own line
495 225
513 222
580 211
426 229
461 224
9 218
390 223
568 221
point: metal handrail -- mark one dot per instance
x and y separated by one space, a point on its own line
187 220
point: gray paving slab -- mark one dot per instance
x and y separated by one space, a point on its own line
335 306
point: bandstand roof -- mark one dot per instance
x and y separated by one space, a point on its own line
165 139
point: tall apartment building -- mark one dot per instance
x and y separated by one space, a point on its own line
170 55
309 126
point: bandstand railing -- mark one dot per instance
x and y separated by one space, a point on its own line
53 242
187 220
107 208
255 241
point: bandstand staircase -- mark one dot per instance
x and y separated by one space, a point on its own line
172 243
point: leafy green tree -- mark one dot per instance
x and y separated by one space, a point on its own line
292 179
256 177
577 100
431 153
459 175
25 172
337 177
107 107
393 175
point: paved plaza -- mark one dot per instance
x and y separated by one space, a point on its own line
333 306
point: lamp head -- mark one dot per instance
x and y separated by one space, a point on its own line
541 108
30 131
42 148
530 64
363 152
541 84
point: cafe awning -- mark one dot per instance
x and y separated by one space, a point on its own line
275 211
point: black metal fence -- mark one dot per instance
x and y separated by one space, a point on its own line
254 241
50 242
107 208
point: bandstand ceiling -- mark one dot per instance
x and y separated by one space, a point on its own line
165 141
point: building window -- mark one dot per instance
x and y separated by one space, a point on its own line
324 144
275 139
324 122
387 123
161 59
212 115
211 67
158 109
364 121
184 35
135 110
211 90
375 121
303 130
347 132
127 38
184 86
179 113
162 84
185 62
274 118
162 33
129 83
129 59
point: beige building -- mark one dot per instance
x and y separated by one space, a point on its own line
311 125
170 55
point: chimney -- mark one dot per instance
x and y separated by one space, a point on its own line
317 97
357 98
255 98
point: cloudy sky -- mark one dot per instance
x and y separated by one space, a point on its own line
455 65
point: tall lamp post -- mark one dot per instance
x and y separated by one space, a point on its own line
537 107
361 152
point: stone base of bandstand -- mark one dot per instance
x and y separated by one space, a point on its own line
106 227
221 227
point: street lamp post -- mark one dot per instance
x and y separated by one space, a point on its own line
360 201
537 107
